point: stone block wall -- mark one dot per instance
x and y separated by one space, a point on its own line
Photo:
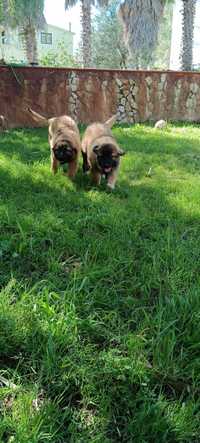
94 95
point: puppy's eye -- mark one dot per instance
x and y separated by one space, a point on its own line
96 149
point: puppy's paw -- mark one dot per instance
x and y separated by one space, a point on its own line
86 169
110 186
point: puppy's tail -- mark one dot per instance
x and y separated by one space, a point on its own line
38 118
111 121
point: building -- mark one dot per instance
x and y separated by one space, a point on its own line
177 35
48 39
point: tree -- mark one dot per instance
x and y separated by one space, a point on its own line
161 57
59 58
141 20
86 6
1 11
4 9
188 12
107 33
28 17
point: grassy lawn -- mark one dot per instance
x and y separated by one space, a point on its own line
100 293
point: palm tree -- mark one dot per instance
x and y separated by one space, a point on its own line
28 17
188 12
1 10
141 20
86 25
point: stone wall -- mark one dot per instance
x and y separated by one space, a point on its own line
91 95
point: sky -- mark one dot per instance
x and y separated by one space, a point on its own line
55 15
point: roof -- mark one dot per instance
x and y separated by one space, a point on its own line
60 29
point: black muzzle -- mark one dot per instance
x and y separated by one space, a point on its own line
64 154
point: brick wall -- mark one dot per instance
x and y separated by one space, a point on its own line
90 95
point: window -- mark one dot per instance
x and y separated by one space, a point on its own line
46 38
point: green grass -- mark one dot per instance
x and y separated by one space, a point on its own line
100 293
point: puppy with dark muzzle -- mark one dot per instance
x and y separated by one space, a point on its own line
101 153
64 141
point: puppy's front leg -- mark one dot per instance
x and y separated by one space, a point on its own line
86 162
72 168
54 164
111 181
96 177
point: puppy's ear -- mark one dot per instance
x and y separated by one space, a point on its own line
121 152
96 149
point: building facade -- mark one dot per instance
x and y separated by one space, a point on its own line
48 39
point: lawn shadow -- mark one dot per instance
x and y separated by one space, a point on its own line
117 269
25 145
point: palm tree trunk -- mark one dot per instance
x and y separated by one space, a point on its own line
86 32
188 12
29 39
141 20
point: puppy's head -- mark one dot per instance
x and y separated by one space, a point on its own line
107 157
64 152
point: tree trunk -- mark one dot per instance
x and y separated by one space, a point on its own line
141 20
188 12
29 38
86 32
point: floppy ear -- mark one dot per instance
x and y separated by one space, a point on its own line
96 149
121 152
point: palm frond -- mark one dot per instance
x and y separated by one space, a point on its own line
102 3
70 3
140 20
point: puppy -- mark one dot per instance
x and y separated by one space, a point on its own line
101 153
3 123
64 141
